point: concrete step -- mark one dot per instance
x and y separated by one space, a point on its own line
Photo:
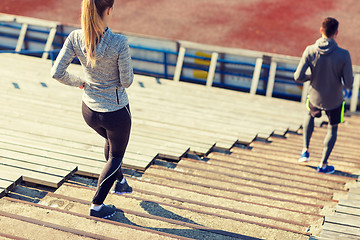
232 174
72 222
5 236
291 145
289 159
245 161
12 227
133 212
231 189
338 156
188 212
342 168
294 141
203 195
345 153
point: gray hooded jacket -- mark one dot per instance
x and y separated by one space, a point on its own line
331 70
106 82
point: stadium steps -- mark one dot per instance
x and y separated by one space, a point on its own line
276 170
197 220
242 193
45 140
67 223
256 190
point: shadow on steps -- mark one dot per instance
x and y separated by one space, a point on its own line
37 193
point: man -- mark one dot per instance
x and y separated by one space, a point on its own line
331 70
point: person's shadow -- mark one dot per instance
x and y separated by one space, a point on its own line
34 195
202 233
156 210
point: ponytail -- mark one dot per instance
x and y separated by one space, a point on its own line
92 25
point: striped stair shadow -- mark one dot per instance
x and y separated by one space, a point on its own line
205 216
65 224
279 155
136 215
345 223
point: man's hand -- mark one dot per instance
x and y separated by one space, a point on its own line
347 93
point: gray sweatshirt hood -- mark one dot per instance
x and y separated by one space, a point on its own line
103 44
325 45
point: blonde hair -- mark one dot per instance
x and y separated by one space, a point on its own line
92 12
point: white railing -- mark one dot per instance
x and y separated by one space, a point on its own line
259 56
26 21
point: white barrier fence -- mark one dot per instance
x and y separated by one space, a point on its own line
259 56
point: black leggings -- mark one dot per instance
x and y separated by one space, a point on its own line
115 128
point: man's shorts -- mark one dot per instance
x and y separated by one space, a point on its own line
335 116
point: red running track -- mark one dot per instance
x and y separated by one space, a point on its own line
276 26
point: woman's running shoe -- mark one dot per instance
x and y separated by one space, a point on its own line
122 188
105 211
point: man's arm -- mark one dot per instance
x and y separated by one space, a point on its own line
348 77
300 74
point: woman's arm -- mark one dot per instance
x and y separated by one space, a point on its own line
63 60
125 65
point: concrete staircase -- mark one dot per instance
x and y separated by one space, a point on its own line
227 186
250 192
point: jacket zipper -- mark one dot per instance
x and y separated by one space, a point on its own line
117 96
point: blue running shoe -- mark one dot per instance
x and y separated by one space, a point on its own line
328 169
304 157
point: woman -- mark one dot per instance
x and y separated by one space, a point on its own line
106 61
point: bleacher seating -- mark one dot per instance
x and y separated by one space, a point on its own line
205 163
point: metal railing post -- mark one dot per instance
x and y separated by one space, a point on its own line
49 43
256 76
165 66
212 68
271 81
179 64
21 38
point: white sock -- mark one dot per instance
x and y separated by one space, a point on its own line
96 208
123 180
